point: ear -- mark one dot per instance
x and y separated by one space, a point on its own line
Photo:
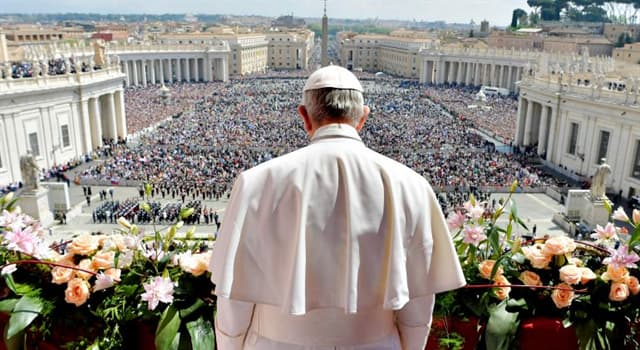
302 110
365 114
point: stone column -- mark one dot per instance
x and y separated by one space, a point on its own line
170 69
134 63
520 122
127 81
112 123
179 69
501 81
121 119
196 70
476 77
528 124
542 130
144 72
86 126
187 69
96 122
208 70
162 77
152 63
509 79
459 73
552 132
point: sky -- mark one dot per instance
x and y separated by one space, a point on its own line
497 12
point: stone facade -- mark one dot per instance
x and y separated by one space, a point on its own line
289 49
58 118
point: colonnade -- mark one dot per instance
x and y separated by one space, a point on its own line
103 117
144 70
474 73
536 125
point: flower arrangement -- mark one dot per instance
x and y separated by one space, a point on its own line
592 286
104 289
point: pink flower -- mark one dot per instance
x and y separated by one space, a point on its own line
13 221
636 216
605 233
620 215
159 290
21 240
103 282
621 258
474 235
476 212
455 221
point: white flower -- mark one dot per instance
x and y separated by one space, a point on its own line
9 269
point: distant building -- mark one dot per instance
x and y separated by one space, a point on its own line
4 50
397 53
597 46
612 31
629 53
484 26
289 49
519 40
288 22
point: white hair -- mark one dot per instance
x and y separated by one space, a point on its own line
330 104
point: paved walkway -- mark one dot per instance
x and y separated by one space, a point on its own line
533 209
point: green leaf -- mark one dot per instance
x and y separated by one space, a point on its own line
25 311
501 327
202 335
167 336
607 205
186 212
513 209
147 189
184 313
94 346
11 283
7 305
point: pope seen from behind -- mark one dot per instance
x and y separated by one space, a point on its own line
333 246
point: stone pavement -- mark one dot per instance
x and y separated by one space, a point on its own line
533 209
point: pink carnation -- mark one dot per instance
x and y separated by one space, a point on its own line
455 221
474 235
21 240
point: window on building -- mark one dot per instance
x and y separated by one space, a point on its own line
573 139
603 145
64 130
33 144
636 163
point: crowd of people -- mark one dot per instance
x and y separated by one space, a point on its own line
496 115
219 129
57 66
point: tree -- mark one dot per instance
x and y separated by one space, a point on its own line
516 16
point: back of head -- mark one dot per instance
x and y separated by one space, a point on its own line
333 93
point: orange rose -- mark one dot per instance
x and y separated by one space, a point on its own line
61 275
530 278
559 245
77 292
103 260
535 256
501 292
562 296
587 275
570 274
195 264
634 285
66 260
85 265
616 274
83 245
619 291
486 267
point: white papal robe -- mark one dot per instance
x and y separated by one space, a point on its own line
331 246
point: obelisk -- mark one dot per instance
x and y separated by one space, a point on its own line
324 58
